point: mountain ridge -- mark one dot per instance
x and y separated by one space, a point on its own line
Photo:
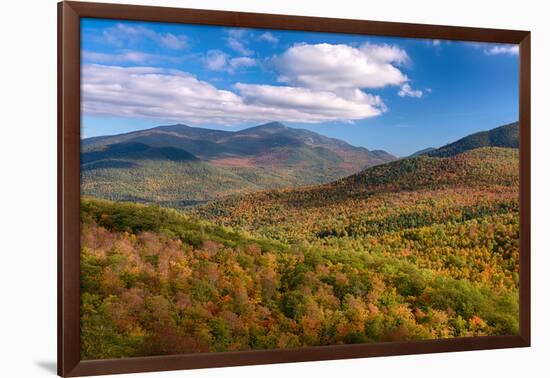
422 151
177 164
223 139
501 136
475 183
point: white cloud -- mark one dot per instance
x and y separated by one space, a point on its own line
148 92
385 53
237 32
316 106
502 49
268 37
123 35
236 41
333 67
173 42
238 46
127 56
322 83
495 48
242 62
216 60
407 91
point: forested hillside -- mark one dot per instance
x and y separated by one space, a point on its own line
503 136
412 192
299 268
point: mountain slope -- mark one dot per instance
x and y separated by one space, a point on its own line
135 151
180 165
483 181
503 136
424 151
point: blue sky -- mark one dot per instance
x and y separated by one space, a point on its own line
399 95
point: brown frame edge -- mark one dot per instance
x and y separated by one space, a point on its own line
69 14
68 175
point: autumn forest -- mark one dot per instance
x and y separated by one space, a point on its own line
195 240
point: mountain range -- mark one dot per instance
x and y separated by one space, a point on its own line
182 165
258 144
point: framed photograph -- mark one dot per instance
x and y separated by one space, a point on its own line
239 188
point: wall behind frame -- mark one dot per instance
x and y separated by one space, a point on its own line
28 190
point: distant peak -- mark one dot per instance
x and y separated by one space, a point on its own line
175 126
270 128
273 125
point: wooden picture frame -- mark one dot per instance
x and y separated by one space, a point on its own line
69 15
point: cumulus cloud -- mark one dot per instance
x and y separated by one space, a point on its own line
123 34
268 37
333 67
149 92
407 91
317 106
318 83
385 53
